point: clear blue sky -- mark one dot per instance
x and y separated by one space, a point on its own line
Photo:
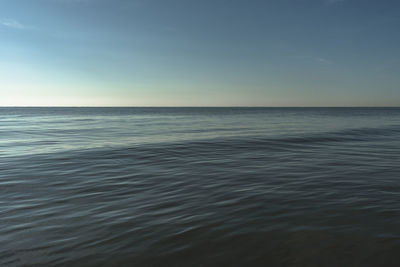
200 52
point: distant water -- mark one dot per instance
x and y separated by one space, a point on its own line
200 187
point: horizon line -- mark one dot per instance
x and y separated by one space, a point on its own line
199 106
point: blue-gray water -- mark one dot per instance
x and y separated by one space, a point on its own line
199 187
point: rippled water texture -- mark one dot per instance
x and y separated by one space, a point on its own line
199 187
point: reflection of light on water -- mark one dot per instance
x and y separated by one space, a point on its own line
246 188
54 130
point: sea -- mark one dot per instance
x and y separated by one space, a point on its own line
199 186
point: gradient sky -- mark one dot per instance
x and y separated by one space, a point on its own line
200 52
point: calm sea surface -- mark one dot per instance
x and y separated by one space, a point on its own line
200 187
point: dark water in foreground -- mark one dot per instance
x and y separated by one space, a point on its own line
199 187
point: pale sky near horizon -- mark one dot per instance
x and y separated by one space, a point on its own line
199 53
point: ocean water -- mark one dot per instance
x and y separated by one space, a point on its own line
199 187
